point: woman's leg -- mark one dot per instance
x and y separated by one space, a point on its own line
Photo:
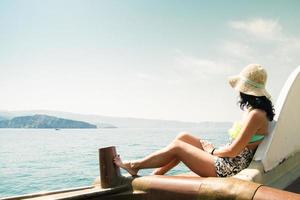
164 169
190 139
194 158
185 137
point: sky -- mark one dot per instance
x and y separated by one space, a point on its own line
146 59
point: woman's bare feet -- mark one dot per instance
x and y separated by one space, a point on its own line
125 165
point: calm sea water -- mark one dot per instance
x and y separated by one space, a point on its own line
33 160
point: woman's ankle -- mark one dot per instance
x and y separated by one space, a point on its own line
158 171
135 165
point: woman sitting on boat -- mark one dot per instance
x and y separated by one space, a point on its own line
200 156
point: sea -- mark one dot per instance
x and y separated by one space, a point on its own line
35 160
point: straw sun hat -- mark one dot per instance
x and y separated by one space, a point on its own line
252 80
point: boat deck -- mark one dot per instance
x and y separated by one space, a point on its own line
91 192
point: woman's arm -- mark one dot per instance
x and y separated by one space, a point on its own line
253 122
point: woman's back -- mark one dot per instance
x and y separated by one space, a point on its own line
262 127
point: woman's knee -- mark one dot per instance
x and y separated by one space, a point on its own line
188 138
176 146
183 135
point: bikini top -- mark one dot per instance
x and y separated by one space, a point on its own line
236 129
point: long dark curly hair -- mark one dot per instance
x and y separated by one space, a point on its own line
262 103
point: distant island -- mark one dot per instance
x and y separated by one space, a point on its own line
102 121
43 121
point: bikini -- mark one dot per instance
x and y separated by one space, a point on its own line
226 166
236 129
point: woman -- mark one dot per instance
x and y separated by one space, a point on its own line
200 156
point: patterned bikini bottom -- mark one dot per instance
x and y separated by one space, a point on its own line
230 166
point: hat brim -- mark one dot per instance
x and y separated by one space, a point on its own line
238 84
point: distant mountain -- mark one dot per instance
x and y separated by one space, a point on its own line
43 121
122 122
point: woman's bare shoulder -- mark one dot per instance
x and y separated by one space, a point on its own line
257 115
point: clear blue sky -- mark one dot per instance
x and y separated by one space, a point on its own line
152 59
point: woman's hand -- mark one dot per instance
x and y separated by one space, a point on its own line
207 146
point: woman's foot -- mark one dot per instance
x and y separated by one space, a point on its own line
125 165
